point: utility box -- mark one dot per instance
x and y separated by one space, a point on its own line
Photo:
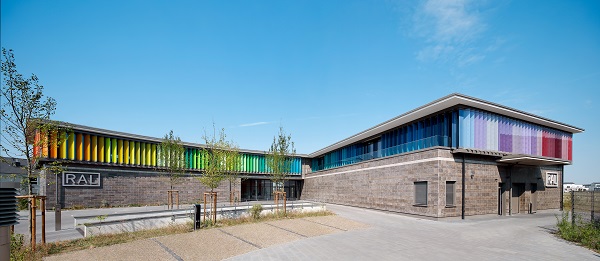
8 216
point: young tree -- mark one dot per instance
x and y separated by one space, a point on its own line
279 159
25 115
171 157
221 158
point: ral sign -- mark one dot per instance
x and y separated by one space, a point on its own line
80 179
551 180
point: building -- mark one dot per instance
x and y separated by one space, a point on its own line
595 186
570 186
455 156
12 171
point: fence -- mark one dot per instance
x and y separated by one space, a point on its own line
585 206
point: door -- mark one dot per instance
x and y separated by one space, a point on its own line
533 197
517 193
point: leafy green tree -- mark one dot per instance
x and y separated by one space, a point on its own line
171 157
279 158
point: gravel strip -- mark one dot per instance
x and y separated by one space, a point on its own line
210 244
138 250
261 234
304 227
337 222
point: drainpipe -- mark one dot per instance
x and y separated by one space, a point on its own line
462 214
562 177
510 188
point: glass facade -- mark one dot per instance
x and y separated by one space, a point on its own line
261 189
457 128
428 132
89 147
488 131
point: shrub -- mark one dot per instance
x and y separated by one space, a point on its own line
255 211
587 234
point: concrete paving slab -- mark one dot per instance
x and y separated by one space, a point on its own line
137 250
210 244
261 235
304 227
337 222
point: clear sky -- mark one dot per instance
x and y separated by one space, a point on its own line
323 70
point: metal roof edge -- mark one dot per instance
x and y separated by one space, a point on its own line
444 103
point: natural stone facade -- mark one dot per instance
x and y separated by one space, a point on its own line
389 184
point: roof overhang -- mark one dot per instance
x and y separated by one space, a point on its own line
521 159
442 104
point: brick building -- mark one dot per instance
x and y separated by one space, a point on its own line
455 156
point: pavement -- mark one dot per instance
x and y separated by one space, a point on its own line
359 234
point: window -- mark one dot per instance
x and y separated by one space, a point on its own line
421 193
450 192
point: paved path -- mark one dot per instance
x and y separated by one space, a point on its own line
359 234
69 231
397 237
216 243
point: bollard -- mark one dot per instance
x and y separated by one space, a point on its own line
197 216
57 219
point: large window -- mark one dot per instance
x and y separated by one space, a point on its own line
421 193
450 192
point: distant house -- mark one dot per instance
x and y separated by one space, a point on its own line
593 186
11 170
570 186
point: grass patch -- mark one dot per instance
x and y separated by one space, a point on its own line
20 251
586 234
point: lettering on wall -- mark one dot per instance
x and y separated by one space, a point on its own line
551 179
80 179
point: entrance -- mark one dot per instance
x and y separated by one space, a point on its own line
517 198
262 189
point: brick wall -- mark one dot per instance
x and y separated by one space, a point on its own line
388 184
122 188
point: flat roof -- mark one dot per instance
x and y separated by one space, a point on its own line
442 104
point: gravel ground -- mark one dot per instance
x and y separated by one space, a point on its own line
217 244
138 250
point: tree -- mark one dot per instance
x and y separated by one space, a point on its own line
221 160
25 115
279 160
171 157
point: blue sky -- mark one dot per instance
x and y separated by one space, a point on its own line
323 70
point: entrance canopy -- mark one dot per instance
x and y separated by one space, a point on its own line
523 159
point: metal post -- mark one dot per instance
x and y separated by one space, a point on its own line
562 176
43 199
462 213
57 208
572 207
593 220
177 197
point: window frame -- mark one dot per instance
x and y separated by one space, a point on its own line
416 198
453 193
